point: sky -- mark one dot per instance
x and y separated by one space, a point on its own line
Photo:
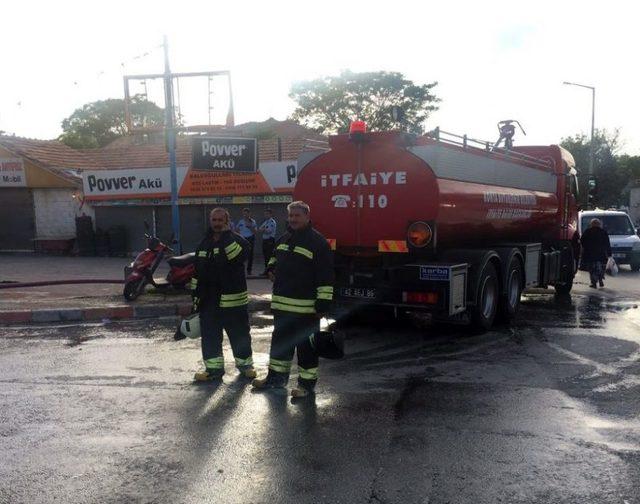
492 60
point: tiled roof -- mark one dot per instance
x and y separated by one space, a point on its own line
126 153
49 153
283 129
138 156
155 155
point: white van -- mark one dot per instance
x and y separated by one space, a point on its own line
625 243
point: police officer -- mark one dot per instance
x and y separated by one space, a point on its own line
220 295
302 271
268 228
246 227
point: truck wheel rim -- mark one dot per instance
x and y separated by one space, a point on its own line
488 297
514 288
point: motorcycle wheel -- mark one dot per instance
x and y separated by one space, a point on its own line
133 289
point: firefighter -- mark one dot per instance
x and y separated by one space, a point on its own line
220 296
301 269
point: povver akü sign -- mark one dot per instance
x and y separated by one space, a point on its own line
149 182
272 177
224 154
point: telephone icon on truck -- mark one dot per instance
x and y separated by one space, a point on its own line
340 200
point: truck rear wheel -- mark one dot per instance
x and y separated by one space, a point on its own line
487 296
510 299
568 271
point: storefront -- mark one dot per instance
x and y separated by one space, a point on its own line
40 193
45 185
129 196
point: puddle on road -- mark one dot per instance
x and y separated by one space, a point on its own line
577 311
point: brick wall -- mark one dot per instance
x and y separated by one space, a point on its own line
55 212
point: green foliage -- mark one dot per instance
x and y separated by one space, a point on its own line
612 175
329 104
98 123
630 165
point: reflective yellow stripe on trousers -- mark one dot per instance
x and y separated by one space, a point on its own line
232 300
244 362
325 292
280 366
308 374
293 305
214 363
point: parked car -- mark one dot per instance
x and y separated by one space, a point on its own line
625 242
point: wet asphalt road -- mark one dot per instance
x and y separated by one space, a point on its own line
544 410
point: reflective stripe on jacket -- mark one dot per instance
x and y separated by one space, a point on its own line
302 262
220 270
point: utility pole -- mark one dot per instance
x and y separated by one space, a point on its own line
593 118
170 131
170 128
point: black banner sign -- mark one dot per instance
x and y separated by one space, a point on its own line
224 154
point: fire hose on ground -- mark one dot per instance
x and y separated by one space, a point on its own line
16 285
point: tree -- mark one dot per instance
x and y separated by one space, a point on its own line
98 123
329 104
612 176
630 165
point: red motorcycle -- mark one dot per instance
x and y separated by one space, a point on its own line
140 272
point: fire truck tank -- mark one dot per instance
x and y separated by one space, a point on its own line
370 190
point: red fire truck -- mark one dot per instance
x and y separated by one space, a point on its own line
442 222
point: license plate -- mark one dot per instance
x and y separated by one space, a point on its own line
358 292
619 256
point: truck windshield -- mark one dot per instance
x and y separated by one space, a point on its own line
613 224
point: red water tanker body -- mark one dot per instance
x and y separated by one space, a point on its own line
477 206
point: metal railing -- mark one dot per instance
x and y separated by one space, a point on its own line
466 142
312 144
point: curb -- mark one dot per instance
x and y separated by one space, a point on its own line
119 312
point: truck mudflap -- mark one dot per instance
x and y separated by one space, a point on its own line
435 287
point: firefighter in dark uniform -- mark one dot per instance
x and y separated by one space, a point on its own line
220 296
302 271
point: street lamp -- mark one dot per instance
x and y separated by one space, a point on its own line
593 113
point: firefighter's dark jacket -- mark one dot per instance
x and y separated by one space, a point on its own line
219 273
302 262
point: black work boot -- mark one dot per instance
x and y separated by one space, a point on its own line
273 380
305 388
209 375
